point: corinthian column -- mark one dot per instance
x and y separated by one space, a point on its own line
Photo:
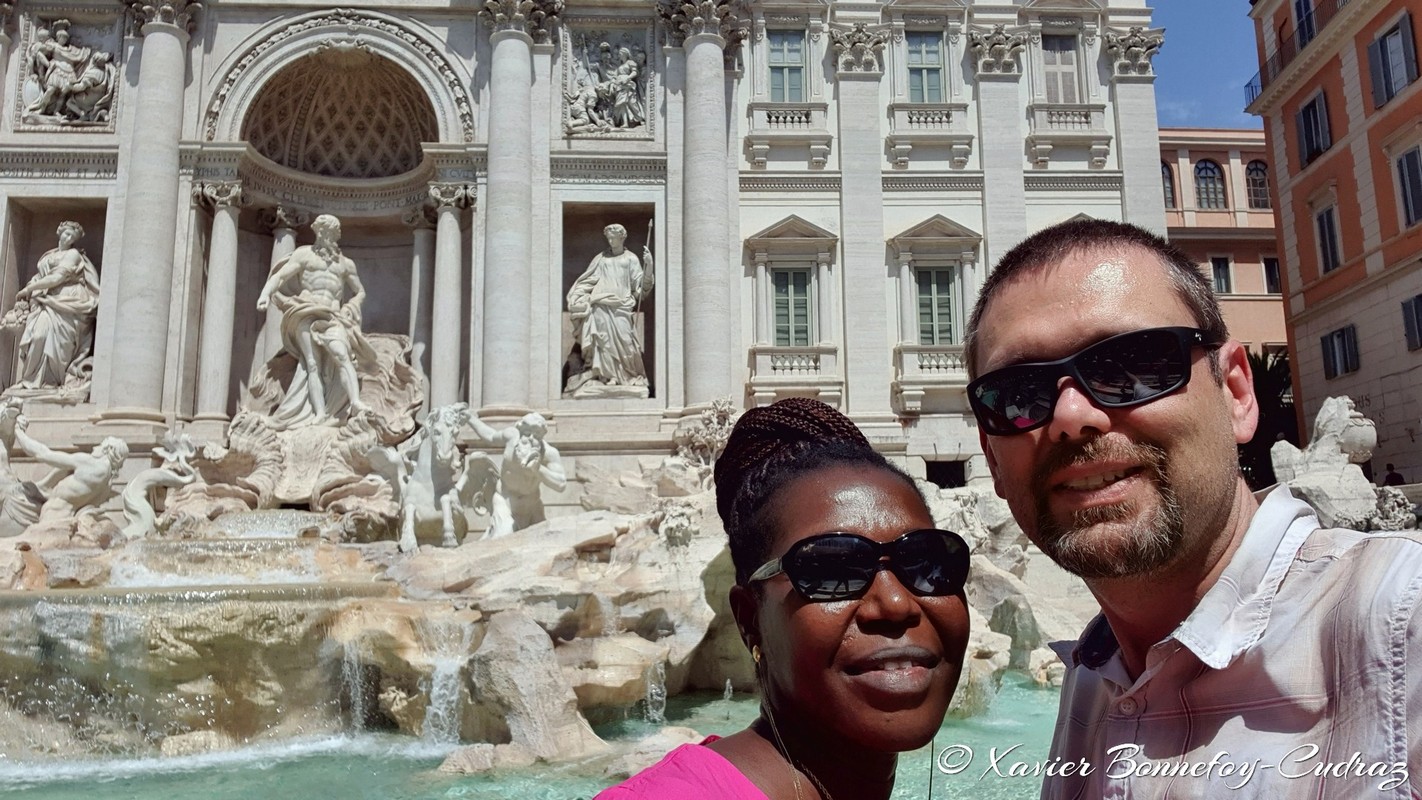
218 308
445 345
422 262
508 238
707 30
150 220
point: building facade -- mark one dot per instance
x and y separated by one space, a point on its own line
820 187
1219 209
1339 95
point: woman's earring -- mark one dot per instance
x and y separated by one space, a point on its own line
755 654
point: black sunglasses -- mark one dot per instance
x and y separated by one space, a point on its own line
840 566
1124 370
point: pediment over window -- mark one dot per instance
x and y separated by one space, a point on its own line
793 235
939 237
1063 5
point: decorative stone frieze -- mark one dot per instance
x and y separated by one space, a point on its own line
728 19
536 18
67 80
1131 51
609 84
859 49
179 13
997 50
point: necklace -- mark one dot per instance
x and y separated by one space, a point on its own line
795 769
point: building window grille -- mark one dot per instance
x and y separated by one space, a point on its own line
925 67
935 306
792 307
1209 185
787 66
1340 351
1256 179
1059 68
1392 61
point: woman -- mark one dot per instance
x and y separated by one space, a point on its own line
850 603
56 309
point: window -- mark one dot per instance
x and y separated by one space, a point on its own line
925 67
792 307
1330 255
1256 179
1409 182
1059 68
1209 185
1412 322
1392 61
1272 284
1340 351
1219 267
1167 180
935 306
787 66
1303 12
1314 135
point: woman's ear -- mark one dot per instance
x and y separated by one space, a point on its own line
744 607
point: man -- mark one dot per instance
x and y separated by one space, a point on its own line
1392 477
90 476
1241 651
529 463
320 328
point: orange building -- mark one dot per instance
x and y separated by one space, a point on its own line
1342 111
1219 209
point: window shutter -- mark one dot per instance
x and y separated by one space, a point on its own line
1412 322
1330 368
1409 48
1325 132
1350 348
1375 71
1303 136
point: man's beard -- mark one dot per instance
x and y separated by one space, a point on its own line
1151 542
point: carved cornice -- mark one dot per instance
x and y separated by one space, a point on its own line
933 183
451 195
225 194
728 19
31 162
1072 183
790 183
1131 51
859 49
283 217
997 50
179 13
536 18
647 171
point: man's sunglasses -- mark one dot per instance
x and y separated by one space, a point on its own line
841 566
1124 370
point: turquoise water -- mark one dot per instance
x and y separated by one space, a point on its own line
380 767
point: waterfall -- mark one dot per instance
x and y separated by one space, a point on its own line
352 681
448 642
657 693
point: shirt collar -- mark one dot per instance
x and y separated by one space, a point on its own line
1234 612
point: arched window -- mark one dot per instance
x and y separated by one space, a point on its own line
1209 185
1167 179
1256 178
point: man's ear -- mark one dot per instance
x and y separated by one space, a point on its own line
991 461
1238 389
744 606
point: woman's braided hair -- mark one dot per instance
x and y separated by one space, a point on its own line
770 447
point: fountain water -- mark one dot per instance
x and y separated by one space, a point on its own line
447 642
657 693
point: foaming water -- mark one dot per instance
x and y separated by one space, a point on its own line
448 642
219 562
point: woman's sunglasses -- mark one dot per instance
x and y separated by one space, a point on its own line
1124 370
840 566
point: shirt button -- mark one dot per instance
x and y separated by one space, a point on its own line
1127 706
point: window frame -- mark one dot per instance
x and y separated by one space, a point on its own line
1314 129
1384 62
1330 241
1412 322
789 269
1256 181
1340 351
1167 175
1227 263
1072 70
786 69
923 70
944 303
1210 197
1276 286
1409 187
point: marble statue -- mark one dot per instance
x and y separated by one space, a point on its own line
79 480
1326 473
20 500
56 312
529 463
603 304
321 328
175 471
69 84
997 50
609 86
433 483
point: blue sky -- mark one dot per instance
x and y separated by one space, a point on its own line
1207 58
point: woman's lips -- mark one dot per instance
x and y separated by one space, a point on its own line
895 672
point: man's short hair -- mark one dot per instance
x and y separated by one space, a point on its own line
1053 244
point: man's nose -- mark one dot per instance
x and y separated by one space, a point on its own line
1076 415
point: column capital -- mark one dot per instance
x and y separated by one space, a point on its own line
859 49
283 217
178 13
997 50
220 194
447 195
420 217
536 18
728 19
1132 50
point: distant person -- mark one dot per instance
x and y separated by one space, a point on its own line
851 604
1392 477
1242 650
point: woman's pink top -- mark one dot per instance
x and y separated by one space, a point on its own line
690 772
